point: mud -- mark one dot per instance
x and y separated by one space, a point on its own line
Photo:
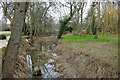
56 60
73 63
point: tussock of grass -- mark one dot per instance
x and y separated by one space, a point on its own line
90 38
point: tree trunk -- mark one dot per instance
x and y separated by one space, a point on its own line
97 31
31 33
81 25
65 22
31 20
11 53
81 17
119 38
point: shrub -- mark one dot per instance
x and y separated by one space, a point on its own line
2 36
7 29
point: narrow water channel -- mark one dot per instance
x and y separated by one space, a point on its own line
37 61
3 43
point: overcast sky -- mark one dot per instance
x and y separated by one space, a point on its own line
66 11
56 15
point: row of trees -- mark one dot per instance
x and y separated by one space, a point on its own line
101 17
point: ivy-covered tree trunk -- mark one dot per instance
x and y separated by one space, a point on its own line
11 53
64 23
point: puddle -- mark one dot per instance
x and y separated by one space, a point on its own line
46 66
54 54
3 43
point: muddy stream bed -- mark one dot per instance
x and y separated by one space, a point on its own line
37 60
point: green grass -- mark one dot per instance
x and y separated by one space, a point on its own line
90 38
24 36
7 34
10 35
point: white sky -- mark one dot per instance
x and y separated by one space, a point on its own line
89 2
1 14
56 15
67 11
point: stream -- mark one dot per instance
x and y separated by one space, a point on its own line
3 43
36 61
46 66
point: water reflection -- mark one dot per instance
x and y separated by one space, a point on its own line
36 61
29 62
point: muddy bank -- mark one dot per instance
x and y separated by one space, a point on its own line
21 68
73 63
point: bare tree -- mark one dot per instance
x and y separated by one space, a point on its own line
11 53
8 10
38 16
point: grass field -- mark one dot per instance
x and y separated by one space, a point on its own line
106 46
90 38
